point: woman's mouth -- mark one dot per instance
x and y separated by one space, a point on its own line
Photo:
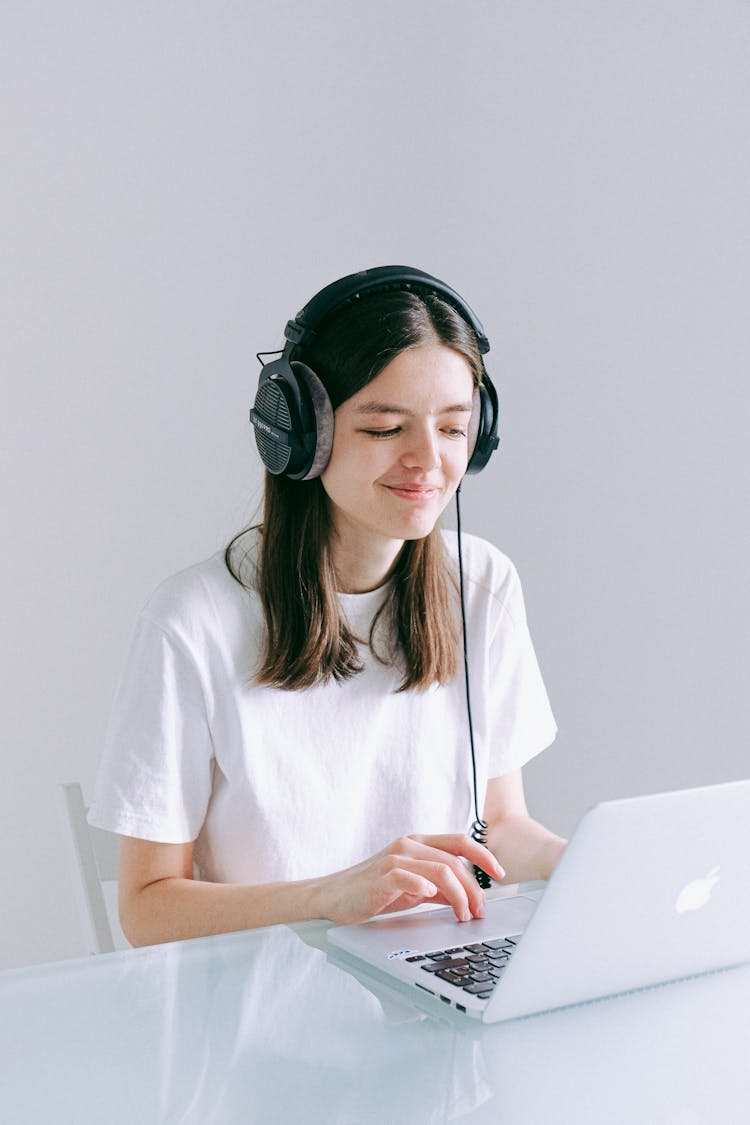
414 492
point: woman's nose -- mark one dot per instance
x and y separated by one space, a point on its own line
422 450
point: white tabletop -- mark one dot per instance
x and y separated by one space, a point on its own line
261 1027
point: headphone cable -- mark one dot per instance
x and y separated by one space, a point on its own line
479 827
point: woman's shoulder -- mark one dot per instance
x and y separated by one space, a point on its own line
487 570
191 600
481 559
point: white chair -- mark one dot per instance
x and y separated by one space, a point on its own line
94 857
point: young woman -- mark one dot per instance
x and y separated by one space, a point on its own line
292 724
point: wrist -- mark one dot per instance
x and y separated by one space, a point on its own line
314 899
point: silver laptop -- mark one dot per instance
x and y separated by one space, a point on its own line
649 890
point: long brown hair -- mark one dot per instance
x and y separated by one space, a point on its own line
307 638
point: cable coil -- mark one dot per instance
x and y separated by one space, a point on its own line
479 834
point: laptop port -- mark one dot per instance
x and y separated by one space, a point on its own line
461 1007
445 999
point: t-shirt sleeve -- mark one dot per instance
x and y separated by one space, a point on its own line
154 781
520 719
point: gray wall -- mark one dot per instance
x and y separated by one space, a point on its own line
179 178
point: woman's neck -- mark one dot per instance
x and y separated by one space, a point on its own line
359 568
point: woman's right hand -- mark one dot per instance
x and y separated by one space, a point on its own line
161 901
411 870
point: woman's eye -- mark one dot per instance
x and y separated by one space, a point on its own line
383 433
455 432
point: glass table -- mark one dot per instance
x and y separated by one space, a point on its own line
262 1027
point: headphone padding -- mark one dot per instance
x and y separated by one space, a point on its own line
323 411
472 431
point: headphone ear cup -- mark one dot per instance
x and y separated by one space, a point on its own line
482 433
293 421
323 414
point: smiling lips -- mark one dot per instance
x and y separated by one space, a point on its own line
414 492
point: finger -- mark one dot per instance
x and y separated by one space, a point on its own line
456 860
460 845
412 883
455 884
460 888
400 882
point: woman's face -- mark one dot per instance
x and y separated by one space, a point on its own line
399 451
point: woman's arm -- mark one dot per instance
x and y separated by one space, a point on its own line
526 849
160 900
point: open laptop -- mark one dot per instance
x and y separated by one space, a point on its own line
649 889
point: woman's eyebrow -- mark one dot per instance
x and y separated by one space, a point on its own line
391 408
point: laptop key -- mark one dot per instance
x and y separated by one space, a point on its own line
480 989
419 957
451 978
438 955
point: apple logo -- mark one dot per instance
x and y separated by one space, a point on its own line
696 894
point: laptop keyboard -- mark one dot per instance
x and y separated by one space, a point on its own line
475 968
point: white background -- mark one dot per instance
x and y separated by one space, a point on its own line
179 178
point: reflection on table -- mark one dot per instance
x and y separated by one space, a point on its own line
261 1027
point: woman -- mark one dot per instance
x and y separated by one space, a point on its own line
292 721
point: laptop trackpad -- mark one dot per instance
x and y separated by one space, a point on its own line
435 929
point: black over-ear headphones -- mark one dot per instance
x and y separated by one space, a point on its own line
292 413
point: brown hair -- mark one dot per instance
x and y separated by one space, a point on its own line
307 638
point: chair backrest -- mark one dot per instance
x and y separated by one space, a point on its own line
94 857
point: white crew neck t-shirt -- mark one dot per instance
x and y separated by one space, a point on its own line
278 785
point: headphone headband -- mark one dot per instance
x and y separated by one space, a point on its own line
378 280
